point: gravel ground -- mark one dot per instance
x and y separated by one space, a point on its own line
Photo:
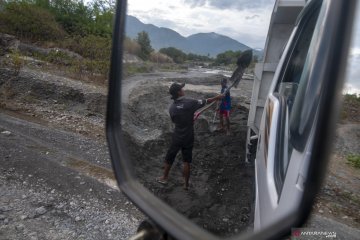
80 146
56 180
39 191
221 193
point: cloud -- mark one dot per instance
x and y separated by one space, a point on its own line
252 17
350 89
195 3
231 4
355 51
246 25
352 84
353 72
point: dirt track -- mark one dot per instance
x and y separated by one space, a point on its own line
71 119
77 107
43 195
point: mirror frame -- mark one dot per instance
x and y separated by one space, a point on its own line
337 33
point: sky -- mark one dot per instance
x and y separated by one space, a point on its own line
246 21
352 84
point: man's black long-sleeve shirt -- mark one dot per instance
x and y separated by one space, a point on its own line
182 114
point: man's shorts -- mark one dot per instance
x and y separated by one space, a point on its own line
186 150
225 113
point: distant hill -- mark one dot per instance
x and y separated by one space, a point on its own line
200 43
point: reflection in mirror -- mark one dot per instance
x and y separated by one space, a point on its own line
198 166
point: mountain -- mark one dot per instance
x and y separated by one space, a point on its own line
200 43
159 37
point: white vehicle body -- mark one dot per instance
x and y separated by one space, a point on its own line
281 26
280 159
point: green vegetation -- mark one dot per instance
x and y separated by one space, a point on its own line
180 57
91 46
200 58
29 21
54 20
14 61
158 57
69 24
86 29
352 99
17 62
354 160
352 197
145 47
130 69
226 58
230 57
131 46
350 108
177 55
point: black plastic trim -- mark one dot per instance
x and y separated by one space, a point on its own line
336 35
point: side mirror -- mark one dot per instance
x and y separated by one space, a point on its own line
294 136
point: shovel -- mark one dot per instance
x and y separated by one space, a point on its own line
212 126
243 62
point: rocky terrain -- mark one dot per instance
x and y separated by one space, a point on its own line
56 180
76 107
340 196
221 181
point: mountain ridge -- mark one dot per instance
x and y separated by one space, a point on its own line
162 37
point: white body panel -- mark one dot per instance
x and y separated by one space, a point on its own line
270 204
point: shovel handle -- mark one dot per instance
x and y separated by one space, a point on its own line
201 110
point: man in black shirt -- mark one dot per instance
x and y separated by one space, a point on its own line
182 115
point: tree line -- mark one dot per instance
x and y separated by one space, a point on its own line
56 19
86 29
178 56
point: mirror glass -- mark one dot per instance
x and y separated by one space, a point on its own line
196 43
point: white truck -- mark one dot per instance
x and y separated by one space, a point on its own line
283 109
282 24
